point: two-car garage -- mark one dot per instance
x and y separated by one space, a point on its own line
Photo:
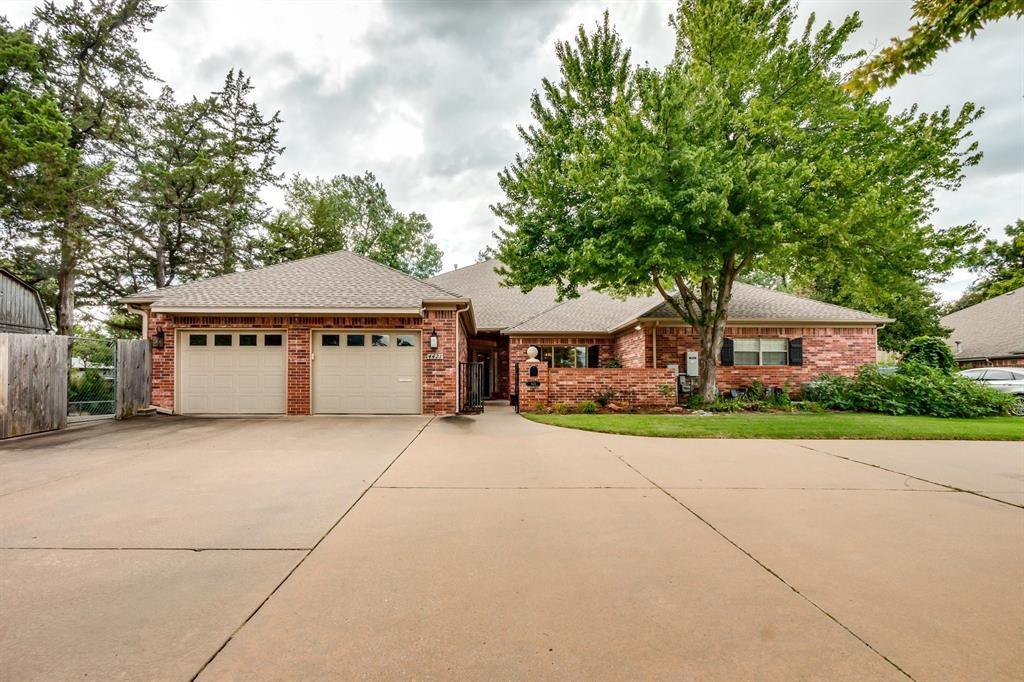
355 371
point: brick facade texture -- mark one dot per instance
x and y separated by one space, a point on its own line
631 386
826 350
439 376
632 349
518 345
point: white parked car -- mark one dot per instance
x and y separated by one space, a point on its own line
1003 379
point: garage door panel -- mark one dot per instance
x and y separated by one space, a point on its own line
367 379
232 379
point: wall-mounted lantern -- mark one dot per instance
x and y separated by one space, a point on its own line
158 339
433 339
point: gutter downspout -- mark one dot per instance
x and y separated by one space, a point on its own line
145 320
458 395
654 337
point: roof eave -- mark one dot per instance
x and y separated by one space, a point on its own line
290 310
878 321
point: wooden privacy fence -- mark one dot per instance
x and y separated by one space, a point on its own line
132 376
33 383
34 372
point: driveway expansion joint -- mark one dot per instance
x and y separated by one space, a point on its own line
305 556
951 488
158 549
765 567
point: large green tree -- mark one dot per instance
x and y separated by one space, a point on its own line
34 135
940 23
245 158
1000 266
350 212
746 149
175 191
96 77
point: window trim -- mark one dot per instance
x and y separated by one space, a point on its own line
760 351
547 354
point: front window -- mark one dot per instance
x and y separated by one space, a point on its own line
761 351
564 356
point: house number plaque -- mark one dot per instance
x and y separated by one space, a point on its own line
435 356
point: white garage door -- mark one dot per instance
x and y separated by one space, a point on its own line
366 372
232 372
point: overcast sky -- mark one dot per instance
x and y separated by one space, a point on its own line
427 94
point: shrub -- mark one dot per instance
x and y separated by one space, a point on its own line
604 397
540 407
930 351
612 363
587 407
560 408
913 389
666 390
697 401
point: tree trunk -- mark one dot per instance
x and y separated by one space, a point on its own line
711 337
67 275
66 279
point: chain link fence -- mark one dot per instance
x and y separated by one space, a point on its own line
92 378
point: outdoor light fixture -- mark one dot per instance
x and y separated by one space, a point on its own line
433 339
638 327
158 339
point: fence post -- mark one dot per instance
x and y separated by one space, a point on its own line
133 376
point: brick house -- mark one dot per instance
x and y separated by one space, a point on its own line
772 337
990 333
340 334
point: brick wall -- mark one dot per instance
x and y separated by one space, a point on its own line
438 375
827 350
633 387
518 345
632 348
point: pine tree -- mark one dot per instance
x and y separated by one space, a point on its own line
246 152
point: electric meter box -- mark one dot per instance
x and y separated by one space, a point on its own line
691 363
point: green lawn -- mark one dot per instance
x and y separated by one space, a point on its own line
800 425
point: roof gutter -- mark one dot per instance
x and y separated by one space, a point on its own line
284 310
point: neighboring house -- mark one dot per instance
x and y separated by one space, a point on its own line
21 306
990 332
339 333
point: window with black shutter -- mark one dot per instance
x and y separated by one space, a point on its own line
727 353
593 356
796 351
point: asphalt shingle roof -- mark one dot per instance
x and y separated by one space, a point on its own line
750 303
338 280
497 307
494 306
990 329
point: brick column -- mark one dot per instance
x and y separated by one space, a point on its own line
298 370
533 388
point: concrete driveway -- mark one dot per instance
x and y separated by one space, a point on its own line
492 547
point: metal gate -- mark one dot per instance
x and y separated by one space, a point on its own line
92 378
471 387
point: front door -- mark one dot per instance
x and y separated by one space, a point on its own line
487 358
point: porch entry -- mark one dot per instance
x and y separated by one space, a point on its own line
487 359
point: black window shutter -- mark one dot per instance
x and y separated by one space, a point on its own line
796 351
727 354
593 356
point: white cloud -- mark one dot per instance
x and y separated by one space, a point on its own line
427 94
